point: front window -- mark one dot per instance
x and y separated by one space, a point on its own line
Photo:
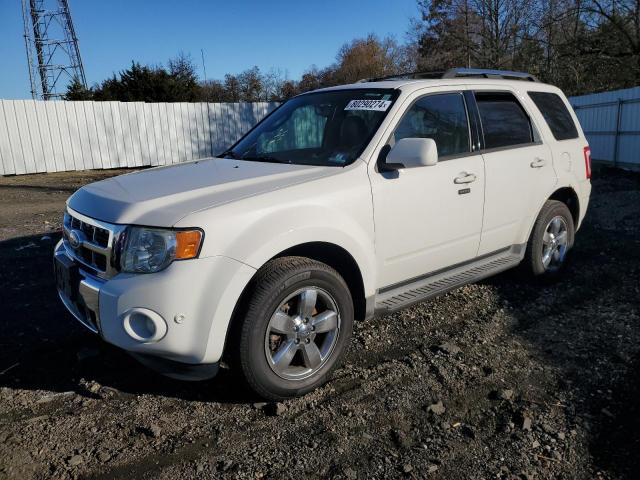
326 128
442 117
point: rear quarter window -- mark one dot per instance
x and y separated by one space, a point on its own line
556 115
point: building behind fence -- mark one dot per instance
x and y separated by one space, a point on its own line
611 122
40 136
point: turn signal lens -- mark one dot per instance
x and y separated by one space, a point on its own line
187 243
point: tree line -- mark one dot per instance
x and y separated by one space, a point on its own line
581 46
178 81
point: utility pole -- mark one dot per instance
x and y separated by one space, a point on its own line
52 48
204 69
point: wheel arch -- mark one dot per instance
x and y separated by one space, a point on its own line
565 194
331 254
339 259
336 257
569 197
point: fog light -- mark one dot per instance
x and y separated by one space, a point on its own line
144 325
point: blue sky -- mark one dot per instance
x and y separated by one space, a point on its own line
235 35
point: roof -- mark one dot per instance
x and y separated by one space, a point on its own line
410 85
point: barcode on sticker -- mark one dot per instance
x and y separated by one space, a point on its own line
375 105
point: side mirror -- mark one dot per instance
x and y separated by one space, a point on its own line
412 152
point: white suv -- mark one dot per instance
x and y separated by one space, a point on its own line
342 203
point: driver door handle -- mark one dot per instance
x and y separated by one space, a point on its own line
464 177
538 162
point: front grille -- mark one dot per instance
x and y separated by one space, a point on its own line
99 235
96 242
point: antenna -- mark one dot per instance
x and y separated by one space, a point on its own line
52 48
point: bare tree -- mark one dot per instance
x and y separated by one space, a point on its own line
369 57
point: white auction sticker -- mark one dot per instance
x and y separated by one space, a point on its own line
375 105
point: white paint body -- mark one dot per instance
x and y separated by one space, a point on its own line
394 228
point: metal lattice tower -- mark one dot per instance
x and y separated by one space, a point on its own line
52 48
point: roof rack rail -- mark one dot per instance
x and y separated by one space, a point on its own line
408 76
488 73
457 73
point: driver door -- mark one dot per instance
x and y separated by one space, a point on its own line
429 218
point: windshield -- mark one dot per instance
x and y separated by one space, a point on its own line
326 128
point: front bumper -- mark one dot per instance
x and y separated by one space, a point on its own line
194 299
85 306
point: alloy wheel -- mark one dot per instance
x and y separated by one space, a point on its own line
302 333
555 243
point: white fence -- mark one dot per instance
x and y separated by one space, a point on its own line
57 136
52 136
611 123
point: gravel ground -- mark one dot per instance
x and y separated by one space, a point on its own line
502 379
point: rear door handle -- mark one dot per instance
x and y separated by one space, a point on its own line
464 177
538 163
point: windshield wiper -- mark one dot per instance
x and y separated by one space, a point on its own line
265 158
228 153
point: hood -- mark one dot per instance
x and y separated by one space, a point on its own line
162 196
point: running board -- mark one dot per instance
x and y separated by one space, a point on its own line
395 297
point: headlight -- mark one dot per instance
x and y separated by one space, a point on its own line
148 250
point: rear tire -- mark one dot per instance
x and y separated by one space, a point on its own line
295 328
550 241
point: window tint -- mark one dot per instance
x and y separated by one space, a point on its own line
555 114
440 117
504 121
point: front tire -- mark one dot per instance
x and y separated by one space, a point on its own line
295 329
551 240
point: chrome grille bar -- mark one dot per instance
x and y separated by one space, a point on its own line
97 240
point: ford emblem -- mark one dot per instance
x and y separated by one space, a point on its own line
76 238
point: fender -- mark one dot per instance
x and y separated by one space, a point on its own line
253 230
256 229
332 235
279 241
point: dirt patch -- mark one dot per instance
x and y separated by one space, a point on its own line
502 379
31 204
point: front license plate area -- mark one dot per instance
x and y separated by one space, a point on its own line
67 276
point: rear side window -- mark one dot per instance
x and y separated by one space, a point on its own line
442 117
555 114
504 121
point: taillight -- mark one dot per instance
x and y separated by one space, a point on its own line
587 161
